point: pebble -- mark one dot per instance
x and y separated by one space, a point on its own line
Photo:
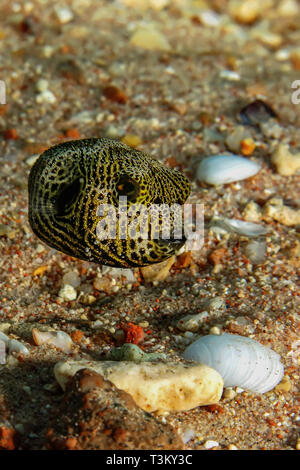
13 345
4 230
42 85
229 393
145 4
271 129
118 273
40 248
276 210
67 292
295 58
64 14
131 352
247 146
59 339
158 271
285 384
150 39
288 8
210 444
216 304
239 134
247 11
30 161
71 278
192 322
256 251
223 169
268 38
215 330
87 299
286 163
230 75
16 346
46 97
154 386
232 447
132 140
187 435
252 212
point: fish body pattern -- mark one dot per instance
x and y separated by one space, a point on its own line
71 181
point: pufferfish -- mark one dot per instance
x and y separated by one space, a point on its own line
70 181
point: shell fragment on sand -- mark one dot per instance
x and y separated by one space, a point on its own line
154 386
245 228
223 169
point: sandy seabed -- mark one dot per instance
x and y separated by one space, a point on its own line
76 72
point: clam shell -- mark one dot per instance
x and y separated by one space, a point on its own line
222 169
241 361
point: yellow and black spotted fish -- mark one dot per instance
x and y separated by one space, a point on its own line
70 181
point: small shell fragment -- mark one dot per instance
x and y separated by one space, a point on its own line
59 339
241 361
222 169
247 229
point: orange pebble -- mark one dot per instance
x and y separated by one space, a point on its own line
10 134
113 93
72 133
133 333
40 270
247 146
7 438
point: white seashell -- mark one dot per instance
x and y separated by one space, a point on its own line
248 229
222 169
59 339
241 361
15 346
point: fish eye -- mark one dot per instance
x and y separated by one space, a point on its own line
127 187
67 196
